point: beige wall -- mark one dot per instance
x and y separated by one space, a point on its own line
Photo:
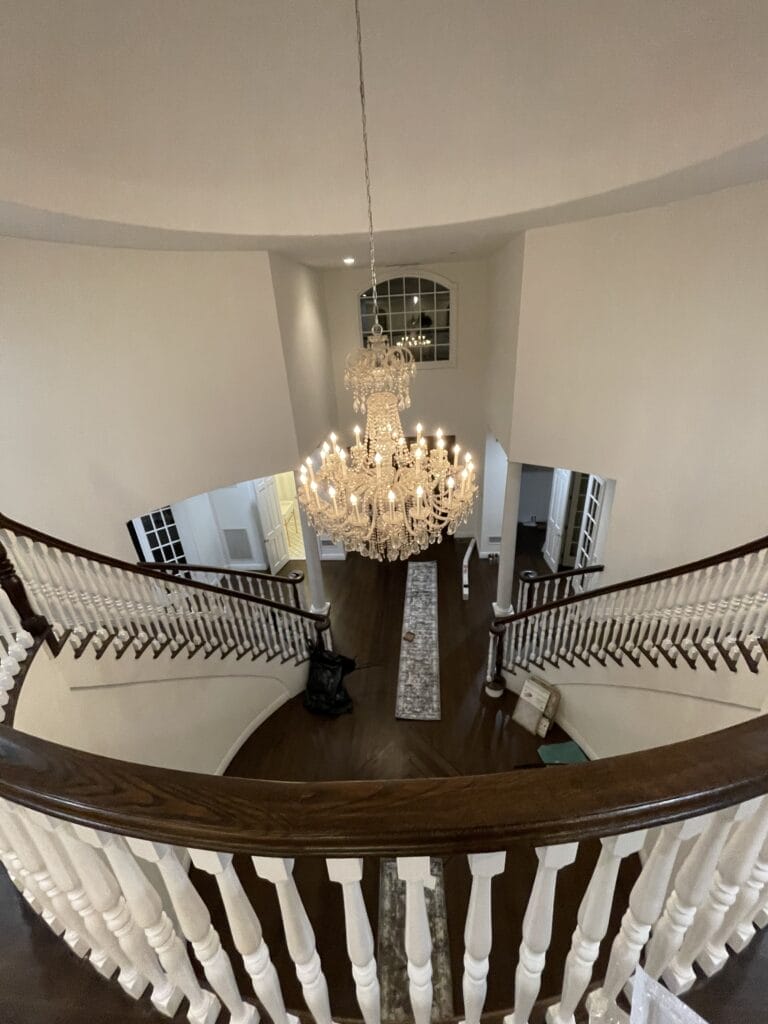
450 397
301 315
643 356
131 379
505 282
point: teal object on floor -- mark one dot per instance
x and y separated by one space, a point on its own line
562 753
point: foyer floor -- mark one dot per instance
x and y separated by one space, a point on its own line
41 980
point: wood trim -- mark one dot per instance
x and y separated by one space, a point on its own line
26 531
639 581
294 577
391 816
531 576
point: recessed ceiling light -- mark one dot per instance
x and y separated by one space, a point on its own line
349 260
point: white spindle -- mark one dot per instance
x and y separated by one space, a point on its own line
537 928
415 872
645 903
348 872
299 937
737 929
478 933
594 915
691 885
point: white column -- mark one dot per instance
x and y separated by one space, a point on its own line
478 933
506 577
594 915
348 872
537 928
318 600
414 871
299 937
246 933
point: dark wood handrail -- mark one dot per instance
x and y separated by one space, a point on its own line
294 577
681 570
454 814
140 570
531 576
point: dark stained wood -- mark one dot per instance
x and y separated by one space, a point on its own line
530 576
18 683
294 576
10 582
639 581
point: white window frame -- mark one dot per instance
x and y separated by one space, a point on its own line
423 272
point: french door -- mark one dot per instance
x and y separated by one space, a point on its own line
589 531
556 518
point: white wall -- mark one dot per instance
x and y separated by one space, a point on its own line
642 355
494 481
133 379
505 282
441 396
301 315
535 491
195 722
198 531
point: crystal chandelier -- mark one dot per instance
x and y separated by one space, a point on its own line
386 497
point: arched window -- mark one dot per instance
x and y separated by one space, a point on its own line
416 312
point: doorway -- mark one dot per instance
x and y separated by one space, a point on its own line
577 520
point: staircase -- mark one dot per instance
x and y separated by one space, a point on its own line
713 612
100 849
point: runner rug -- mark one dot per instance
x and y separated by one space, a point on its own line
418 681
392 961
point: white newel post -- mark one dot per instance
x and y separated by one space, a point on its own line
147 910
415 872
478 932
537 928
195 923
691 885
299 937
247 936
594 915
645 903
505 580
738 858
348 872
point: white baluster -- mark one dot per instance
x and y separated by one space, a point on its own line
137 963
147 910
594 915
735 864
348 872
195 923
246 933
737 929
537 928
691 886
415 872
645 903
299 937
21 879
478 932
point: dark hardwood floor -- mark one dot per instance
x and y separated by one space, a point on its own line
40 978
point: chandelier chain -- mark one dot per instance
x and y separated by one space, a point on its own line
366 165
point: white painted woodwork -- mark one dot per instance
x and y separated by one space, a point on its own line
271 519
478 932
691 886
734 867
537 928
737 930
593 917
645 904
415 872
299 936
348 872
556 518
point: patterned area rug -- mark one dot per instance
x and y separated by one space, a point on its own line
393 963
418 681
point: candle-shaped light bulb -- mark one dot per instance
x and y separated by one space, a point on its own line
334 439
311 468
418 429
332 495
440 444
468 457
353 500
391 496
357 435
439 432
418 454
456 453
313 485
464 477
377 460
401 441
419 496
450 483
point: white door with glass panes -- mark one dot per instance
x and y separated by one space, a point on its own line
556 517
272 527
589 531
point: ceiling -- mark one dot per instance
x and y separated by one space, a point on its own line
196 124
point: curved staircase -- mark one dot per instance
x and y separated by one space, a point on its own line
101 849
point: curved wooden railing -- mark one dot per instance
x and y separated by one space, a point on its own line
714 609
535 589
284 589
89 598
